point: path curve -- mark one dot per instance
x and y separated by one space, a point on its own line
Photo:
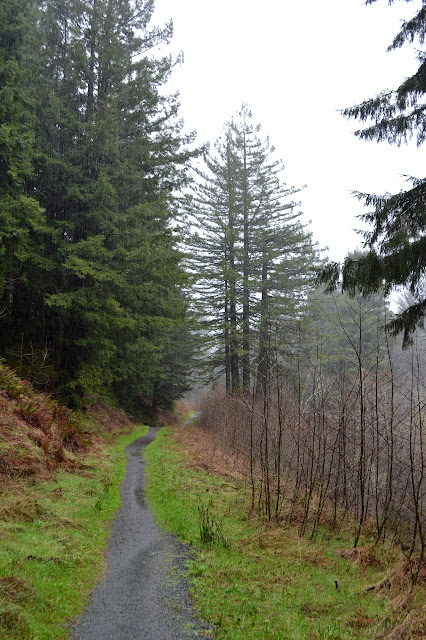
143 595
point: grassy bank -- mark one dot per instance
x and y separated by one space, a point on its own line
52 537
260 581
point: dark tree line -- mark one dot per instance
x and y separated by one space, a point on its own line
91 151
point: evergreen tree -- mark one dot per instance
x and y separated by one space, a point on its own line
212 208
344 327
289 260
396 242
110 153
21 217
246 251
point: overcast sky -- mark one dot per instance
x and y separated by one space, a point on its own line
296 64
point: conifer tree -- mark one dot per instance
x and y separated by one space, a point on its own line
396 239
21 217
213 211
110 153
248 243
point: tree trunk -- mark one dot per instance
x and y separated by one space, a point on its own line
246 297
232 276
262 365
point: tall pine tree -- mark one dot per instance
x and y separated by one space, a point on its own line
249 246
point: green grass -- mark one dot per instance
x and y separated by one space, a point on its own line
255 581
52 539
187 416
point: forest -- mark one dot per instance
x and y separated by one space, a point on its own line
92 283
137 263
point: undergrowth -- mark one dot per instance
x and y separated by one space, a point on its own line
37 433
260 581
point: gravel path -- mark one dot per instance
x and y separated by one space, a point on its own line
144 594
193 417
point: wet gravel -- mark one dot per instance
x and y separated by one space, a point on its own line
144 594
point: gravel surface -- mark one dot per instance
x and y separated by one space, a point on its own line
144 594
193 417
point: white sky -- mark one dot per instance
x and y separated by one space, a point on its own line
296 63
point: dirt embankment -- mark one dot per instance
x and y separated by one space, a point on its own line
38 434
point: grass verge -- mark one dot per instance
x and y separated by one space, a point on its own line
256 581
52 537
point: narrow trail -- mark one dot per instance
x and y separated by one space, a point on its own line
193 417
143 594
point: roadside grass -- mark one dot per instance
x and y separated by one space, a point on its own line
258 581
52 537
184 411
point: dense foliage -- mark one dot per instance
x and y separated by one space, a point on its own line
90 154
